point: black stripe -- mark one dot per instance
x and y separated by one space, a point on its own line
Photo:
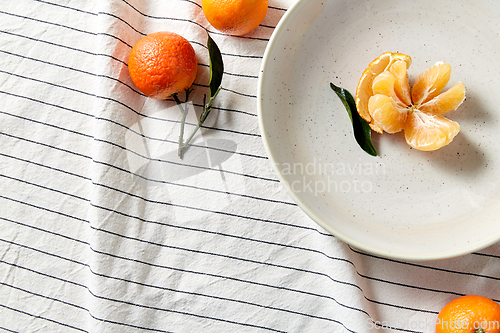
47 145
170 290
47 124
167 204
66 7
485 255
189 271
117 80
423 266
195 23
142 135
48 104
67 303
63 46
141 33
175 290
277 8
195 84
45 209
41 317
156 180
8 330
73 69
241 259
253 261
128 107
175 205
191 41
137 305
47 167
43 296
47 22
45 230
269 7
157 159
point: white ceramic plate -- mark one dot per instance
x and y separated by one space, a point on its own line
403 203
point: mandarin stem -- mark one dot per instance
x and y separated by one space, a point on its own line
206 110
184 112
181 134
181 148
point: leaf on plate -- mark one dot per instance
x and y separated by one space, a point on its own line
362 131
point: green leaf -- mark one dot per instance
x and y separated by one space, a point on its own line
216 72
362 131
216 67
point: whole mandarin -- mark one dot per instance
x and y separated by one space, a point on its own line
162 64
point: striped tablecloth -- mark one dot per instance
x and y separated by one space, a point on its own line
104 229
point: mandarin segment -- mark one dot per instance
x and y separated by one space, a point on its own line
430 83
364 88
386 113
429 132
383 84
363 94
401 86
385 101
447 101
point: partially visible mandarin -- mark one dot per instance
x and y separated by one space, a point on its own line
235 17
162 64
469 314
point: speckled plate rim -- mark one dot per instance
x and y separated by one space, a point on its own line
285 21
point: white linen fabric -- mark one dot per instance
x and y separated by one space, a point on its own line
104 229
